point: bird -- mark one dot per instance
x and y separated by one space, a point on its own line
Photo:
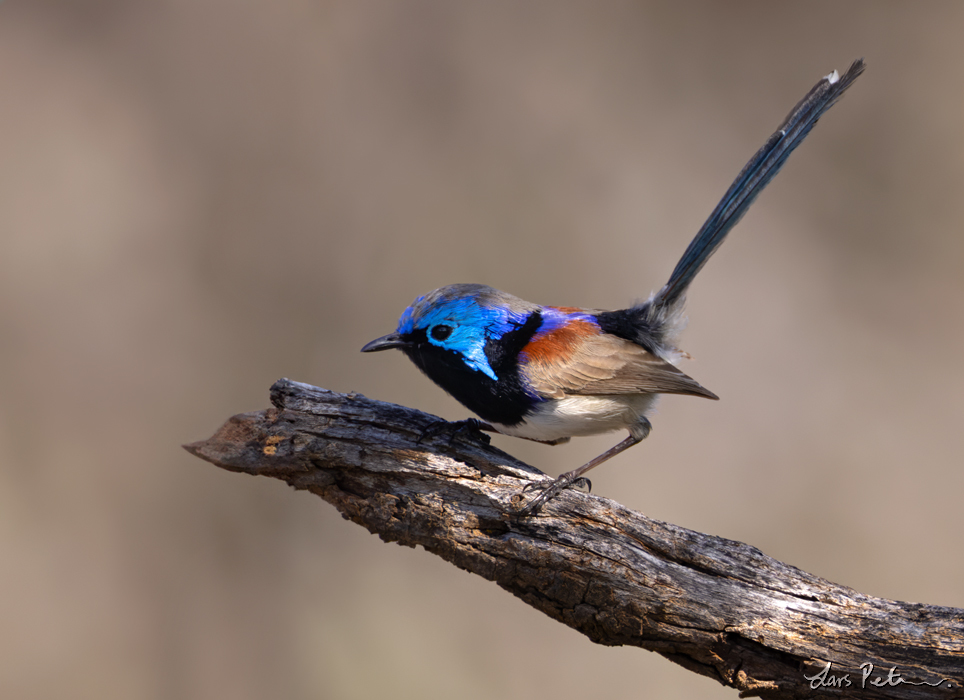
550 373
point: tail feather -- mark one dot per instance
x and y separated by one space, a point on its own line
756 175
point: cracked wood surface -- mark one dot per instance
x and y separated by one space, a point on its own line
717 607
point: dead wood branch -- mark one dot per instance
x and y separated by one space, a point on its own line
717 607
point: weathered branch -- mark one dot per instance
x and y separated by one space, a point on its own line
717 607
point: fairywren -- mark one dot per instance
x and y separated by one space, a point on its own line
549 373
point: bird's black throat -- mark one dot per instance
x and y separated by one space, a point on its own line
505 400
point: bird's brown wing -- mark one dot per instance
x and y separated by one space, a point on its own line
599 364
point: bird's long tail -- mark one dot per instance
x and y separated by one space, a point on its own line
750 182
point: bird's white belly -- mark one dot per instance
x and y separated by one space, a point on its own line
576 416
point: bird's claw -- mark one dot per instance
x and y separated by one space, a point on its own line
551 490
581 483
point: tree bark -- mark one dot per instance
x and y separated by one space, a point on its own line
717 607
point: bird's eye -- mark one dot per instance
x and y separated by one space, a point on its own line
441 332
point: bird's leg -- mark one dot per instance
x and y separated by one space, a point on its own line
636 435
566 480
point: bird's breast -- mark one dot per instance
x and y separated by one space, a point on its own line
576 416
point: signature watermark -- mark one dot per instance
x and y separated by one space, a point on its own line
869 676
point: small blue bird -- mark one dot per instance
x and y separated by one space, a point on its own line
549 373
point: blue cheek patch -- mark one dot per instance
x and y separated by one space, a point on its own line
469 342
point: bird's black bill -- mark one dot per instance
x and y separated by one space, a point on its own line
386 342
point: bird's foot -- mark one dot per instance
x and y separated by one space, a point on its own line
551 490
470 427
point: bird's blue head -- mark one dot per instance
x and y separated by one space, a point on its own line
460 320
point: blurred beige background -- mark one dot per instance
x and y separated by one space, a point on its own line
198 197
